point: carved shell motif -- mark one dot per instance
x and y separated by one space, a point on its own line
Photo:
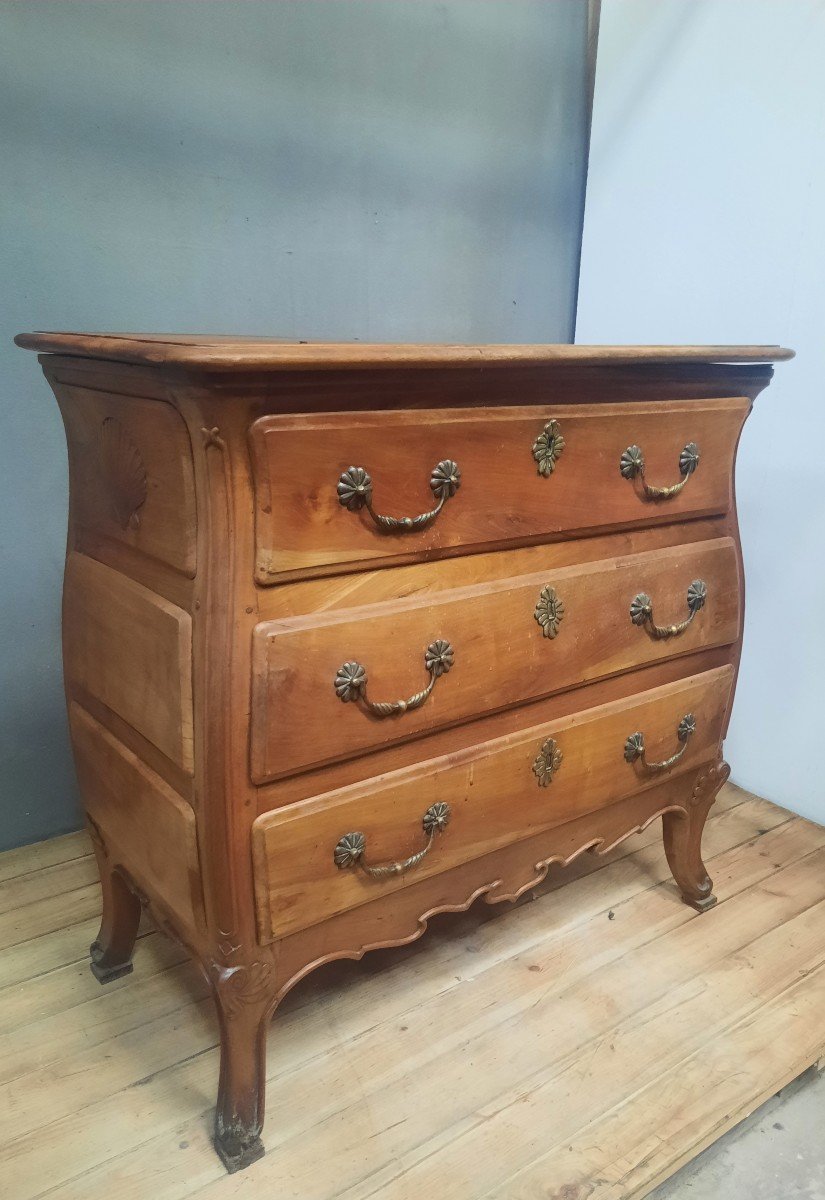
123 472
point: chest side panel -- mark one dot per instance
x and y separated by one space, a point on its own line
132 651
132 477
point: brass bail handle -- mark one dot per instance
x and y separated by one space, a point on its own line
632 466
351 682
351 848
355 492
641 611
634 747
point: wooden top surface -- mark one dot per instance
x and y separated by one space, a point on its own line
219 352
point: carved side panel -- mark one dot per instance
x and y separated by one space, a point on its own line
132 651
131 470
146 828
123 473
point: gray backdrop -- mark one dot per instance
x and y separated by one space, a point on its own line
396 170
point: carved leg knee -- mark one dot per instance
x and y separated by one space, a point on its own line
111 951
683 840
243 999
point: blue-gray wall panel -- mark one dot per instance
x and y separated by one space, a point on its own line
401 170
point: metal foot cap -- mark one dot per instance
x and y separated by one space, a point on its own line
108 974
237 1154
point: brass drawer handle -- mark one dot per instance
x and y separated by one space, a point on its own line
355 492
634 747
641 611
351 681
351 848
632 466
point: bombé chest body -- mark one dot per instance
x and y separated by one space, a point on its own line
353 635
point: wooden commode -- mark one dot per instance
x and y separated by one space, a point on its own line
357 634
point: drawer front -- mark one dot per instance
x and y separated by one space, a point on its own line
317 680
497 793
515 480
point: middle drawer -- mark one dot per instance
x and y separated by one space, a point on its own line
331 686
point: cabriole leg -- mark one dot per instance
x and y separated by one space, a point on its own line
683 840
244 1001
111 951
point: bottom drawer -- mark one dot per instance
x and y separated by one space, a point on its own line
311 858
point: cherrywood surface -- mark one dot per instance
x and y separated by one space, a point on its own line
501 654
430 578
131 650
143 824
489 1059
298 460
231 351
293 789
494 797
114 449
162 724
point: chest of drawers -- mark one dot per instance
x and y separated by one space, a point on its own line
354 635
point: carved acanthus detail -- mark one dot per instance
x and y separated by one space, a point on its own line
709 782
238 986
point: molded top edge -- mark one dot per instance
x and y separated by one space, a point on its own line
222 352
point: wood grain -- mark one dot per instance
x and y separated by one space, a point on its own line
492 791
231 352
501 655
502 1022
154 441
297 461
146 827
132 650
171 516
429 578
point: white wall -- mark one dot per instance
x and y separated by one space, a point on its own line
705 222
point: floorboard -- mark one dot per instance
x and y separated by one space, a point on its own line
584 1045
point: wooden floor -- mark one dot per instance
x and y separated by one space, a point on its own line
583 1045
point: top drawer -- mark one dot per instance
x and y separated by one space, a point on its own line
523 473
